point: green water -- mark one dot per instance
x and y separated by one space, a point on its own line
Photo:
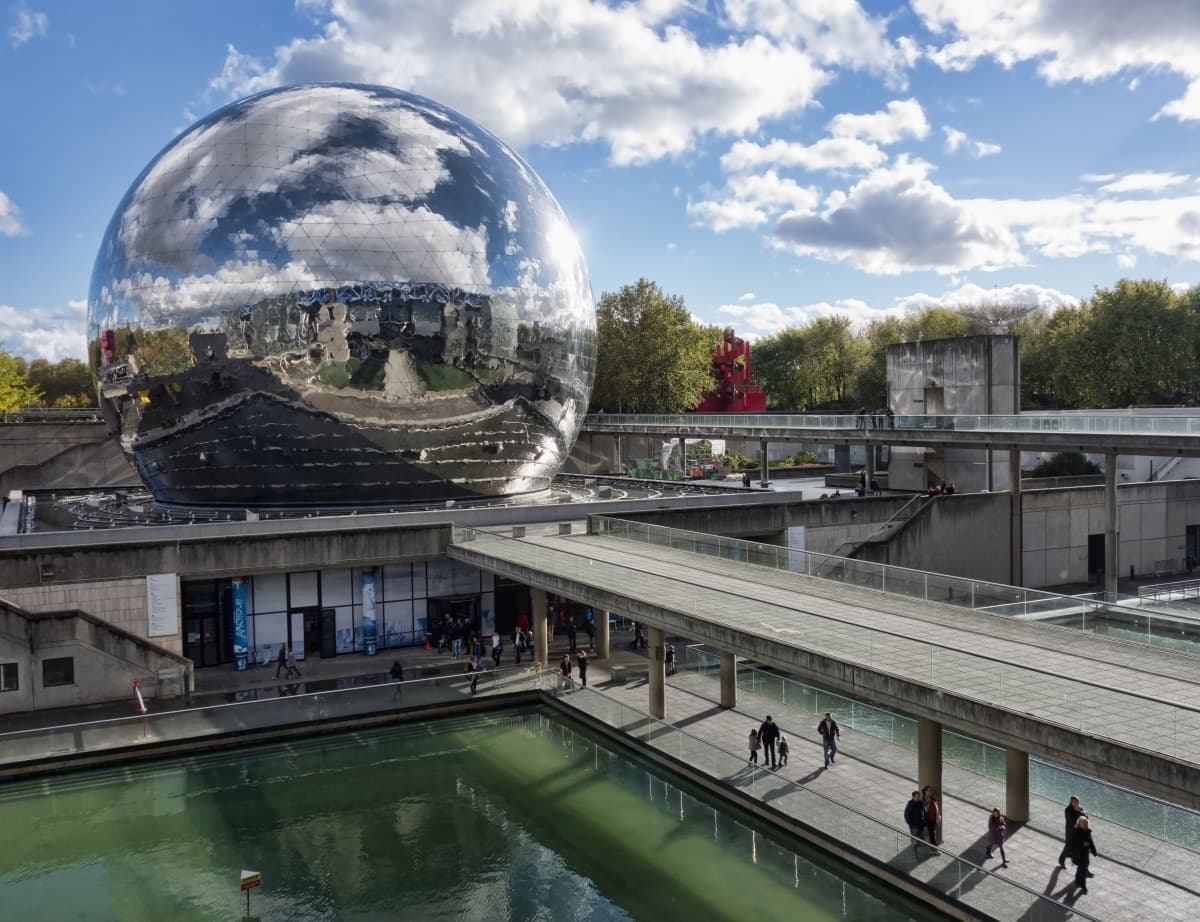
506 816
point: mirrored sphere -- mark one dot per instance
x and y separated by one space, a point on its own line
343 295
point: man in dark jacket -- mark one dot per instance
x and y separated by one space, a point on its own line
1082 851
914 817
768 735
1072 814
830 732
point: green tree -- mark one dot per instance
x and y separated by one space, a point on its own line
15 389
803 368
1065 464
67 383
651 357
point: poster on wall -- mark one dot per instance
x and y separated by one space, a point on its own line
162 605
370 630
241 632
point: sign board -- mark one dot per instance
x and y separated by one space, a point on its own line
162 605
370 625
241 643
250 880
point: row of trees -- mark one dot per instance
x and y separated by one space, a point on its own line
1136 343
42 383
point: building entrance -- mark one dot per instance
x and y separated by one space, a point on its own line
320 632
208 622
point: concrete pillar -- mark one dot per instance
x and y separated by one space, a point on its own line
1015 520
728 680
658 673
537 598
929 759
870 465
683 467
1016 785
764 467
1112 536
603 644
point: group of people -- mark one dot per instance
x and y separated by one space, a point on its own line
564 667
922 814
770 739
942 489
877 419
286 660
863 486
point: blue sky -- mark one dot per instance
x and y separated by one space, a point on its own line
770 160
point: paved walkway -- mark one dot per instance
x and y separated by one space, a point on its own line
1137 877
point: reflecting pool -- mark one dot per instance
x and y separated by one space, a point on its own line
517 815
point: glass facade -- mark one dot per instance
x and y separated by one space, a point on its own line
341 295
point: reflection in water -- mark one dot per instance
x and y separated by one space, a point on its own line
341 295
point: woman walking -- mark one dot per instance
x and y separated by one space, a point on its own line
754 746
1083 849
931 813
995 836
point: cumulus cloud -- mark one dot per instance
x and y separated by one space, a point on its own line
44 333
1021 294
958 140
27 24
896 220
630 75
11 224
750 200
1149 181
837 154
1072 41
747 296
903 118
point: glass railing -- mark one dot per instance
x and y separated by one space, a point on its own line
51 742
1093 614
992 895
1024 422
1118 805
1070 702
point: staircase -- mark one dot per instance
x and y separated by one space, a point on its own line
1169 465
900 518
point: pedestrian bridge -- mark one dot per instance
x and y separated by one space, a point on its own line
940 648
1127 435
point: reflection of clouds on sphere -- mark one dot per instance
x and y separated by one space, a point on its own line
341 294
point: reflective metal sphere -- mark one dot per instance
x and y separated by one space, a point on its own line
341 295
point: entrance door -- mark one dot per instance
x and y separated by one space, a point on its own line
312 631
1095 554
328 633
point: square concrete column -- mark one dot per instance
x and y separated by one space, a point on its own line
1015 519
537 598
1112 535
764 466
728 680
1016 785
869 465
683 455
658 673
603 643
929 760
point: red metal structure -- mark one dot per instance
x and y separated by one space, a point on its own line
733 392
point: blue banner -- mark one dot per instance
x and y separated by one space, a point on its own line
370 626
241 632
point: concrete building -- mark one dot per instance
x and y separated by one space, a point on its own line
972 375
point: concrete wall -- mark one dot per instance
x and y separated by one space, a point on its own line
106 660
963 535
48 456
119 602
972 375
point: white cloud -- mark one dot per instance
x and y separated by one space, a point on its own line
903 118
11 224
1021 294
838 154
837 32
552 71
956 140
1126 260
27 24
1149 181
747 296
47 333
752 199
1069 40
896 220
671 245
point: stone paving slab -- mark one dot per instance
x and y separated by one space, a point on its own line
1137 877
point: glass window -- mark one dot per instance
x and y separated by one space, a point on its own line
59 671
8 677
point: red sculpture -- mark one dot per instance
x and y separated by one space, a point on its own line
733 392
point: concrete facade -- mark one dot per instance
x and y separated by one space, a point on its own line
52 456
972 375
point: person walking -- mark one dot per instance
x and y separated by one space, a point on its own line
497 648
518 644
572 633
932 813
768 735
396 674
474 676
589 626
281 660
477 652
914 819
292 669
565 668
830 732
455 638
583 664
783 750
671 659
754 746
995 836
1083 849
1072 813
